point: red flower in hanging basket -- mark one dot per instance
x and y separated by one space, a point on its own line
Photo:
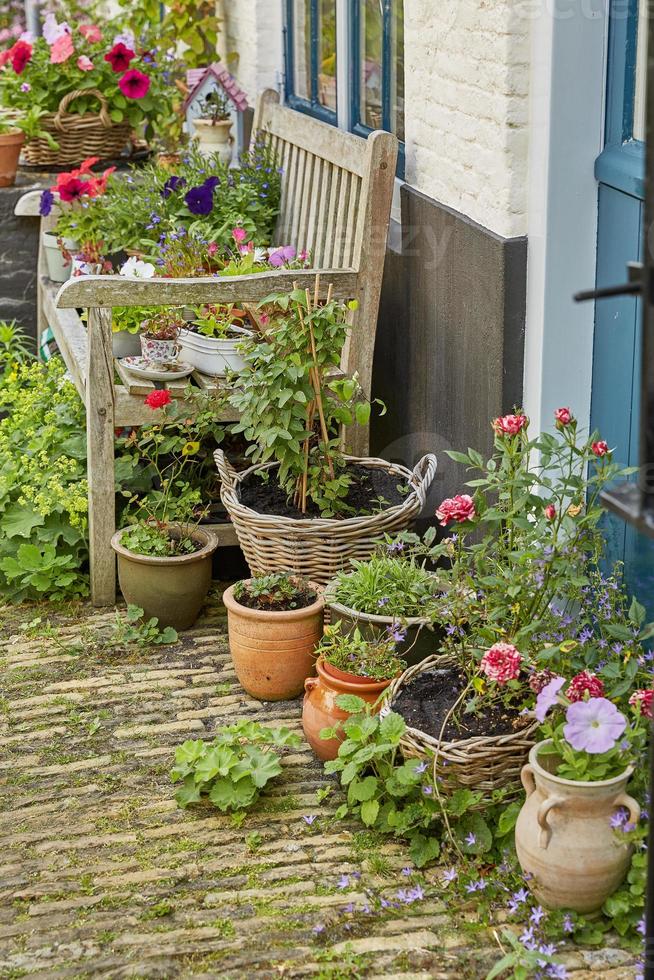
20 54
134 84
71 189
119 57
158 398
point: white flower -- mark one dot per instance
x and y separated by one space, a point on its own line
137 269
260 255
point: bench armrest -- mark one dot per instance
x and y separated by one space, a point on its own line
109 291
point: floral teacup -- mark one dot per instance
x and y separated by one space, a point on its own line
159 351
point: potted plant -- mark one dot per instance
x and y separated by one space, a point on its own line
389 592
346 664
213 126
164 556
536 545
126 325
275 623
159 337
576 787
210 341
11 140
302 489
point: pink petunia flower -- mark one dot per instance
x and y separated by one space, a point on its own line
61 50
134 84
593 726
501 663
91 32
239 235
85 64
460 508
119 57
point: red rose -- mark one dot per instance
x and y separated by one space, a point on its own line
510 425
585 683
134 84
158 398
119 57
501 663
20 55
459 508
600 448
563 417
71 189
644 699
550 512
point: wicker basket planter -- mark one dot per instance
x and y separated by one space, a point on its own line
482 763
318 548
92 134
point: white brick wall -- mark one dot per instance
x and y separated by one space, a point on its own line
251 42
466 97
467 88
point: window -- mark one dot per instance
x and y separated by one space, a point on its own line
345 63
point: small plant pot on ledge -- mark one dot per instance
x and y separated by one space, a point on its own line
172 589
10 144
273 651
59 268
320 710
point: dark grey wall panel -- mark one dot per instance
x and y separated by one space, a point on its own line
18 252
449 353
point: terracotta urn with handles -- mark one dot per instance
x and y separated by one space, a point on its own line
564 838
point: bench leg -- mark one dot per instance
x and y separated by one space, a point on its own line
100 457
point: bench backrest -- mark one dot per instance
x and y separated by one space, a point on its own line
332 184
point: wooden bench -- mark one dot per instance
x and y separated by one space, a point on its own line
336 199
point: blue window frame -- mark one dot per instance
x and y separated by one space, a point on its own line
345 64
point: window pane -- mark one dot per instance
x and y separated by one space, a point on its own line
372 33
327 53
302 48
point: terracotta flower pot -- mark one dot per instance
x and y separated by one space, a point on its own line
344 675
321 711
172 589
273 652
10 144
564 838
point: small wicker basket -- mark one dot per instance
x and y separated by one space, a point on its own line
318 548
483 763
79 136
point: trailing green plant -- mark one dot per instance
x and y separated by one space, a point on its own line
372 658
290 409
217 321
280 591
130 318
387 585
234 768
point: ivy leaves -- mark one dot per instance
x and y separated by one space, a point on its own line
233 769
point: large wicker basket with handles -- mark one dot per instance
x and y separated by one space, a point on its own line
483 763
318 548
92 134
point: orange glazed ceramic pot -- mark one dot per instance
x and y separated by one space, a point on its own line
274 652
321 711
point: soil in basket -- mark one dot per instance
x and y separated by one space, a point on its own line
303 598
367 487
426 700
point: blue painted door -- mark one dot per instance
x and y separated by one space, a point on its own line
616 376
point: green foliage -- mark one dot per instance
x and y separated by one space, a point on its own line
130 318
387 586
374 659
283 390
15 345
233 769
274 592
132 630
158 540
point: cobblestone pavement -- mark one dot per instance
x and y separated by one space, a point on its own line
102 875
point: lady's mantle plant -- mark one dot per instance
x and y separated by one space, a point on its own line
233 769
290 409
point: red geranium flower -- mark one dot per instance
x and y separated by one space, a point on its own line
20 55
119 57
134 84
585 682
71 189
600 448
158 398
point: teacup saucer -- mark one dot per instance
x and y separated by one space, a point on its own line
157 372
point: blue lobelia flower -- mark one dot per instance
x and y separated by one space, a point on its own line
45 205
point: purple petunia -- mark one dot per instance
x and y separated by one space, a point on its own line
593 726
199 200
282 255
45 205
548 697
173 184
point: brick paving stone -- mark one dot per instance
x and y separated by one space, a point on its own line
102 875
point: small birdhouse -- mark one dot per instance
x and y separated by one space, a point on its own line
201 83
